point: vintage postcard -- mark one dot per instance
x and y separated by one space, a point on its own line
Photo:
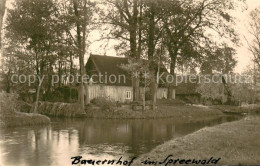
129 82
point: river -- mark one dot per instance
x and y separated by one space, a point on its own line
56 143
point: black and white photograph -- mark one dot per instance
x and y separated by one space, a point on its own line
129 82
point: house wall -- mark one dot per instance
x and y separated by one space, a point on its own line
119 93
116 93
162 93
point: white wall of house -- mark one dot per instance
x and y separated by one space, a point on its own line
115 93
119 93
162 93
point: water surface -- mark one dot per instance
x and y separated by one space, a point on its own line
56 143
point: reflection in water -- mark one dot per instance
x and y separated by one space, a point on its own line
55 144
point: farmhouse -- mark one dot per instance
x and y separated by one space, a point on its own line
115 83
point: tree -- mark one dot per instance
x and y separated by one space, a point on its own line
15 60
222 60
188 23
254 30
211 90
2 13
52 40
244 89
136 24
125 18
83 14
153 13
34 38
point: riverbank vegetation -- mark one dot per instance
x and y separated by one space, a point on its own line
147 33
246 109
159 112
10 115
105 109
43 57
235 143
60 109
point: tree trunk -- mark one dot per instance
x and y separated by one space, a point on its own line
133 48
87 99
153 90
2 13
136 88
71 73
81 97
151 48
173 56
37 96
81 56
50 72
139 50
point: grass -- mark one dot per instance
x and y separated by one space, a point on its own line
235 143
10 114
23 119
177 111
166 109
237 109
60 109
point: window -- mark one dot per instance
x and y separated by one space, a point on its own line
128 94
164 94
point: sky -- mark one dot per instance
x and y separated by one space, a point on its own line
244 57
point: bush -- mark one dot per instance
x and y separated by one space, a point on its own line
148 95
104 103
61 94
10 115
8 103
60 109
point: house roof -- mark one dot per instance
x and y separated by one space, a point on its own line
186 89
109 65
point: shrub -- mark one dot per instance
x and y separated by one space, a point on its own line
10 115
60 109
61 94
104 103
148 95
8 103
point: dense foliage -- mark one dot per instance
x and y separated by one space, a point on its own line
45 37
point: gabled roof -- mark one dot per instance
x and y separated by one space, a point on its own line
186 89
109 65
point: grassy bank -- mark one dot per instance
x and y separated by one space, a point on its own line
10 114
109 111
165 109
178 111
235 143
60 109
23 119
238 110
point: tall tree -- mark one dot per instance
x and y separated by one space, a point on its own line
254 30
2 13
222 60
151 30
188 22
125 17
83 12
35 38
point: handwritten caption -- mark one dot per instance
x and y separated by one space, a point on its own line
169 160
